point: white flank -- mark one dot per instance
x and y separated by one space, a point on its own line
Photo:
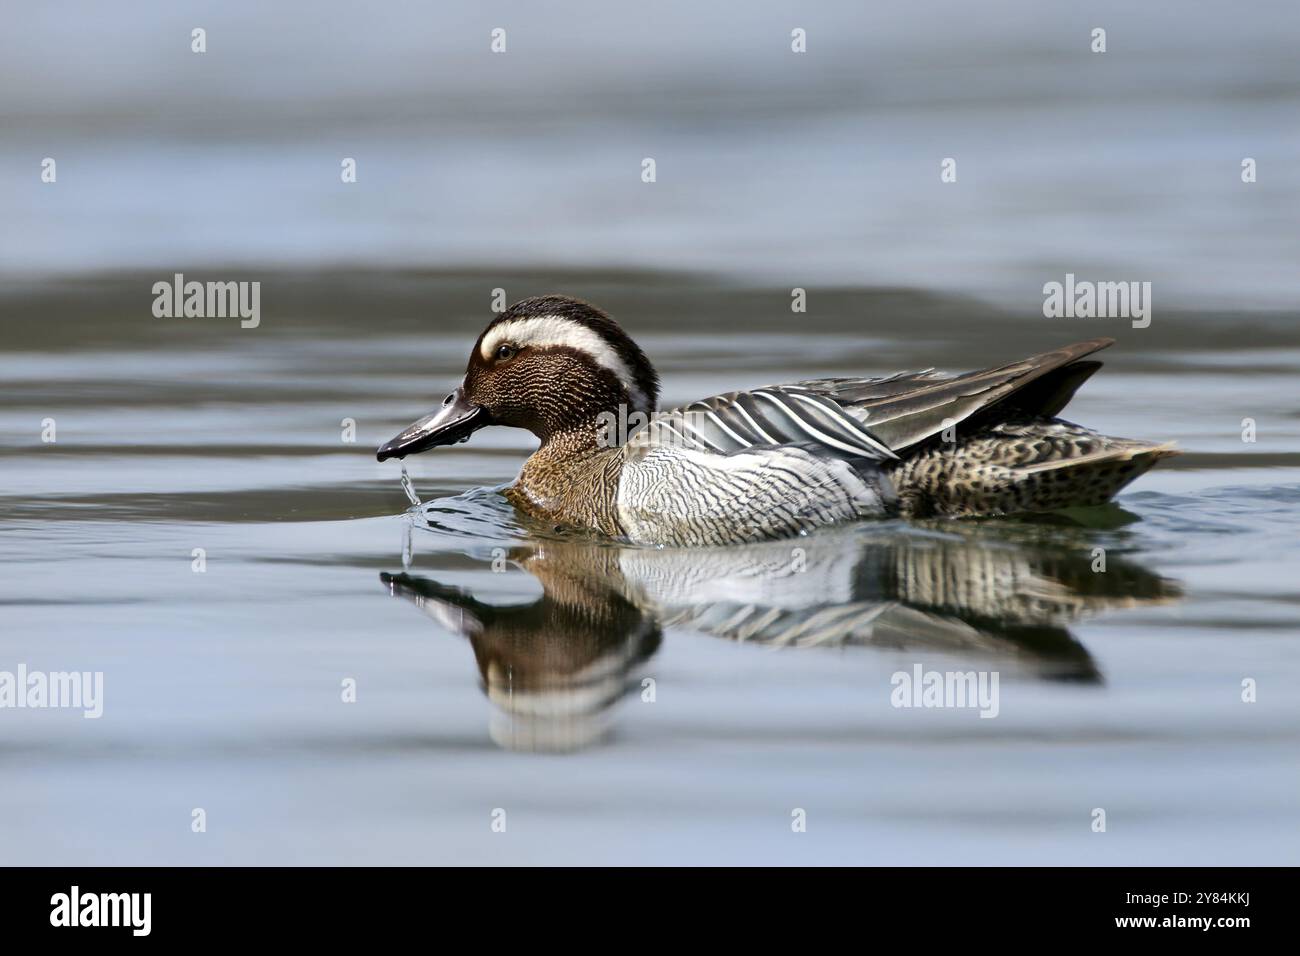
547 330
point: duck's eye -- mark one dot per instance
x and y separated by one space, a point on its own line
505 352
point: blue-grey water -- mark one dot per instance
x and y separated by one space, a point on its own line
194 510
498 667
813 168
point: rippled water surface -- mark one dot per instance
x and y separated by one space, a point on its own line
497 666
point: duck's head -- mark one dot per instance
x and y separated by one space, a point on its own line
550 364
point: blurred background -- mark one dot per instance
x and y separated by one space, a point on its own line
498 669
798 169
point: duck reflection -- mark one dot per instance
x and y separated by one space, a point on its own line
555 666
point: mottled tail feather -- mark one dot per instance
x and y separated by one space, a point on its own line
1090 480
1129 450
1030 467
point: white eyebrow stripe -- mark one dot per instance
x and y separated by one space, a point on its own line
547 330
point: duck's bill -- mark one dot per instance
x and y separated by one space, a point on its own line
455 421
456 610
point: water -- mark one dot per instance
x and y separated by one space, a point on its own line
812 169
498 666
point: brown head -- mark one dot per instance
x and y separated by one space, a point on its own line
550 364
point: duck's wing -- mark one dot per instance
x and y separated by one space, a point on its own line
904 409
764 417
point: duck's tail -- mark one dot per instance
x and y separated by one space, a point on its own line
1027 466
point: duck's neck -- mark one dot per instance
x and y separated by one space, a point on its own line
573 442
572 479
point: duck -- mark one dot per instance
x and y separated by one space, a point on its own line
774 462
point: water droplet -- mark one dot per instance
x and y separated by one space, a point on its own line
410 488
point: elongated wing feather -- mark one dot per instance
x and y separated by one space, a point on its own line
904 409
778 415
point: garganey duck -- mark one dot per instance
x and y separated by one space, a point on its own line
771 462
